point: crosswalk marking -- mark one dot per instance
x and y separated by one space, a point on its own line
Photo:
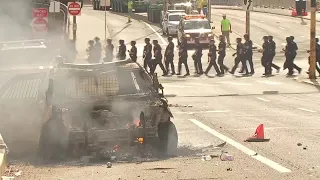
269 82
234 83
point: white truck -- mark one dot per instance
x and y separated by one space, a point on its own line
170 22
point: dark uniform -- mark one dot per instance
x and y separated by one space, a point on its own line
157 58
147 54
90 52
289 54
222 54
97 49
197 57
247 55
109 51
239 53
295 54
122 51
169 56
213 57
317 56
133 51
266 56
183 57
273 53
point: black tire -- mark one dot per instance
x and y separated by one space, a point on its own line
168 137
53 142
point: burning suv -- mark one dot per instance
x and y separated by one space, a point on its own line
193 26
91 107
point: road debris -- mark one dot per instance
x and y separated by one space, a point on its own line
305 148
229 169
206 158
226 157
299 144
109 164
19 173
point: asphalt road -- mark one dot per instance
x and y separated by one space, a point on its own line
225 108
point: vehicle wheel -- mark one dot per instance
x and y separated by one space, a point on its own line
168 137
53 143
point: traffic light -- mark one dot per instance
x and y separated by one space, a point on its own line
301 6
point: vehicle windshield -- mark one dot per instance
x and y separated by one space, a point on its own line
25 57
82 84
196 25
175 17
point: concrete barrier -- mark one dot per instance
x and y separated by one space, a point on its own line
3 154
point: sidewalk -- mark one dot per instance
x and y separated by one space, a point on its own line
283 12
306 80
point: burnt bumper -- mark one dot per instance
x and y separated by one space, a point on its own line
112 135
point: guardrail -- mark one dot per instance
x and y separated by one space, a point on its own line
3 156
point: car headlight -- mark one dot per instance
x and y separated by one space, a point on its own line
187 35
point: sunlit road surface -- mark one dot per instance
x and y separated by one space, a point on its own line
223 109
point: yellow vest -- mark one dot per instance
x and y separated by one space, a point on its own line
129 4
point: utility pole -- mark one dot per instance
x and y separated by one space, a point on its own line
312 68
74 28
105 21
165 6
209 11
248 16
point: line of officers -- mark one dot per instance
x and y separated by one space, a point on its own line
152 55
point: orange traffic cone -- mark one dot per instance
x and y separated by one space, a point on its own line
258 135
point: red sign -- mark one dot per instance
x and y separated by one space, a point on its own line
74 8
40 25
40 12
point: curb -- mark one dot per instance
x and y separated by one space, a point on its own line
309 82
3 158
260 12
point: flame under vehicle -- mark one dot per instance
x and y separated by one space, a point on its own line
89 107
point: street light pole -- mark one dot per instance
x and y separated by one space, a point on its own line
105 21
209 11
248 17
312 68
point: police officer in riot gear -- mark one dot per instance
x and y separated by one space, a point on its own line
122 50
197 57
272 54
212 57
222 54
133 51
109 51
157 58
147 54
317 56
97 48
295 54
289 54
90 53
240 53
183 57
266 56
247 54
169 56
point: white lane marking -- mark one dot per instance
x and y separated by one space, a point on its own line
209 85
197 112
269 82
262 99
281 28
308 110
169 85
241 147
235 83
160 37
